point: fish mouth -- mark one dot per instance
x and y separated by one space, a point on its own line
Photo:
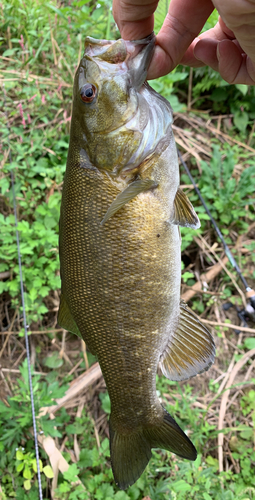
134 56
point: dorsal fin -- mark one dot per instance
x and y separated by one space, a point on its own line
190 350
184 213
127 195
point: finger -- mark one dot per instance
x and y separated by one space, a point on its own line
134 19
194 58
235 66
226 57
205 51
183 22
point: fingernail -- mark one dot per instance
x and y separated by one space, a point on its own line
198 51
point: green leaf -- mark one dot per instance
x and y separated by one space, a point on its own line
50 222
207 497
243 88
47 470
57 11
53 360
10 52
71 473
121 495
247 434
75 428
106 403
187 275
19 455
27 484
181 486
249 343
212 461
219 94
34 465
241 119
86 458
20 467
4 184
27 473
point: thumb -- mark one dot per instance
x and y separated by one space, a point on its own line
182 24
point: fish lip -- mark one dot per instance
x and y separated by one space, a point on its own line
138 62
147 39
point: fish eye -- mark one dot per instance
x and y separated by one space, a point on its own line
88 92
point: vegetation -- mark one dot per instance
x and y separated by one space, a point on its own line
41 43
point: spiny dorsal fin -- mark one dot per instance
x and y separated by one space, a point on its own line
184 213
127 195
190 350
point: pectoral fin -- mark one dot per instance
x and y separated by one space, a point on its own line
127 195
184 213
190 350
65 319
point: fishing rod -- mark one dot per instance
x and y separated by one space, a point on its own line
250 293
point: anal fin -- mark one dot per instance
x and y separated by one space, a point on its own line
191 349
135 188
65 319
184 213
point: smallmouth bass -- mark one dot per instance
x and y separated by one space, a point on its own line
120 250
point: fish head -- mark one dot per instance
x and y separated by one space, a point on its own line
106 98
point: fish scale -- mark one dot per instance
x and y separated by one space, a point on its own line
120 251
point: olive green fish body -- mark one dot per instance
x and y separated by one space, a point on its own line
123 295
120 250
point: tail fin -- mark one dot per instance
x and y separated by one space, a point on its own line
130 453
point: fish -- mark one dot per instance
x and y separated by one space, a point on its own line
120 250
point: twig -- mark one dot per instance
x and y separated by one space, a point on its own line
10 370
224 400
35 332
75 440
228 325
190 89
213 130
75 367
84 350
5 274
5 381
230 367
30 76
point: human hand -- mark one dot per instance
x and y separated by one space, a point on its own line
229 47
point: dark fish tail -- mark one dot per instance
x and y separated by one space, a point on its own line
130 453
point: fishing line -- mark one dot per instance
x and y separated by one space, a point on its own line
23 307
249 292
